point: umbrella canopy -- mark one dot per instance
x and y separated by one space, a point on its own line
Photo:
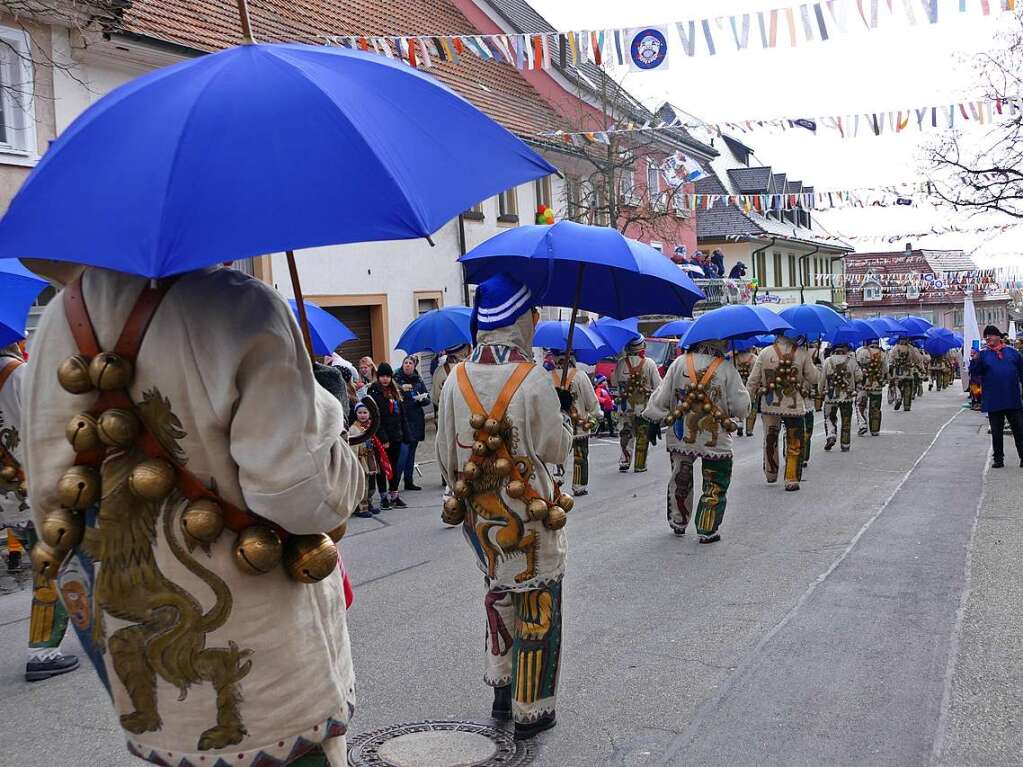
676 328
939 333
260 149
847 334
736 321
865 329
812 320
19 289
587 345
917 326
594 267
437 330
939 345
617 333
886 326
745 344
326 331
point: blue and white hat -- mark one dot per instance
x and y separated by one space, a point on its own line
500 301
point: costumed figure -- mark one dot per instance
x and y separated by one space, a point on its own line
812 398
48 618
186 470
635 377
904 362
701 397
936 367
921 372
500 424
446 364
873 364
372 459
840 381
781 374
744 365
585 414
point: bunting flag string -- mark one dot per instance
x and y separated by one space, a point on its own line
809 201
647 48
890 239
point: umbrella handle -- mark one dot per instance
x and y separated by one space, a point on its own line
303 320
374 423
571 326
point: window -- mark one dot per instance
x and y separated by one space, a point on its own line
426 304
475 213
871 291
542 191
678 203
777 270
912 292
573 198
792 270
17 112
653 179
627 186
760 269
508 206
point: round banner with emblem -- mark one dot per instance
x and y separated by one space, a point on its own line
648 49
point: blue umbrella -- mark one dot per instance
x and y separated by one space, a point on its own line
812 321
745 344
19 289
587 267
847 334
326 331
260 149
587 345
939 333
617 333
886 326
734 322
437 330
940 345
676 328
866 330
917 326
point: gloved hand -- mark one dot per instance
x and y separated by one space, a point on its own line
565 397
653 430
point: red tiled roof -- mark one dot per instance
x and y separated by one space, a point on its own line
208 25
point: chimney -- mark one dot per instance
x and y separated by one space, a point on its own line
909 248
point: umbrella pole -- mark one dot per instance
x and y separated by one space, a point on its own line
296 286
243 17
571 325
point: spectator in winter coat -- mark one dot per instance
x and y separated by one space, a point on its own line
393 431
717 260
607 403
1000 370
414 399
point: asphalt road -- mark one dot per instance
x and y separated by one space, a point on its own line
841 625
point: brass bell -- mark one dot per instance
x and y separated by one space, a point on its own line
8 473
470 471
309 558
730 426
566 502
453 513
495 442
82 433
503 467
476 421
700 388
685 407
556 519
461 489
492 426
338 532
79 487
480 449
153 479
62 529
707 407
516 489
73 375
109 372
537 509
119 428
46 560
258 549
203 520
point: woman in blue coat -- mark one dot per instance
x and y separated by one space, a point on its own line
1000 369
415 399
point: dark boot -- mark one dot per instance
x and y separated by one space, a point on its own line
14 562
53 665
502 708
531 730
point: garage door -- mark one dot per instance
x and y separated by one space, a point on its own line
357 320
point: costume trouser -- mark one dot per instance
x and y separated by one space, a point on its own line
918 385
793 446
581 464
894 393
717 475
832 411
523 647
751 421
997 420
632 428
367 500
807 435
907 388
48 618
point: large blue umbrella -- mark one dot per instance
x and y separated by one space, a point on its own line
260 149
886 326
812 321
745 344
587 345
618 333
734 322
847 334
326 331
19 289
918 325
675 328
437 330
939 345
587 267
866 330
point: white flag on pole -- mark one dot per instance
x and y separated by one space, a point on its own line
971 334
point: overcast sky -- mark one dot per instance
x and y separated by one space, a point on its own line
894 67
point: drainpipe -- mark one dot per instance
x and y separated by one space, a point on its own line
802 284
461 252
753 257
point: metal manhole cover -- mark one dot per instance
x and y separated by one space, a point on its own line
438 744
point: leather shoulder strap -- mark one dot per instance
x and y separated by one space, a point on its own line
556 377
503 399
77 314
707 374
9 368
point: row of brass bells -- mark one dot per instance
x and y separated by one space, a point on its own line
114 428
78 488
309 558
557 515
61 531
106 372
153 479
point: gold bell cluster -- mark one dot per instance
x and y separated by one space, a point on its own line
634 389
486 471
787 377
696 400
258 548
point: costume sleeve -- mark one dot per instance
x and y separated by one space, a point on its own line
587 396
662 400
810 372
447 433
754 382
550 429
653 374
616 374
738 399
285 433
977 366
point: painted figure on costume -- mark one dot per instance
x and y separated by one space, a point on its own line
840 381
811 398
172 501
586 414
782 374
701 397
500 424
873 363
744 361
635 377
